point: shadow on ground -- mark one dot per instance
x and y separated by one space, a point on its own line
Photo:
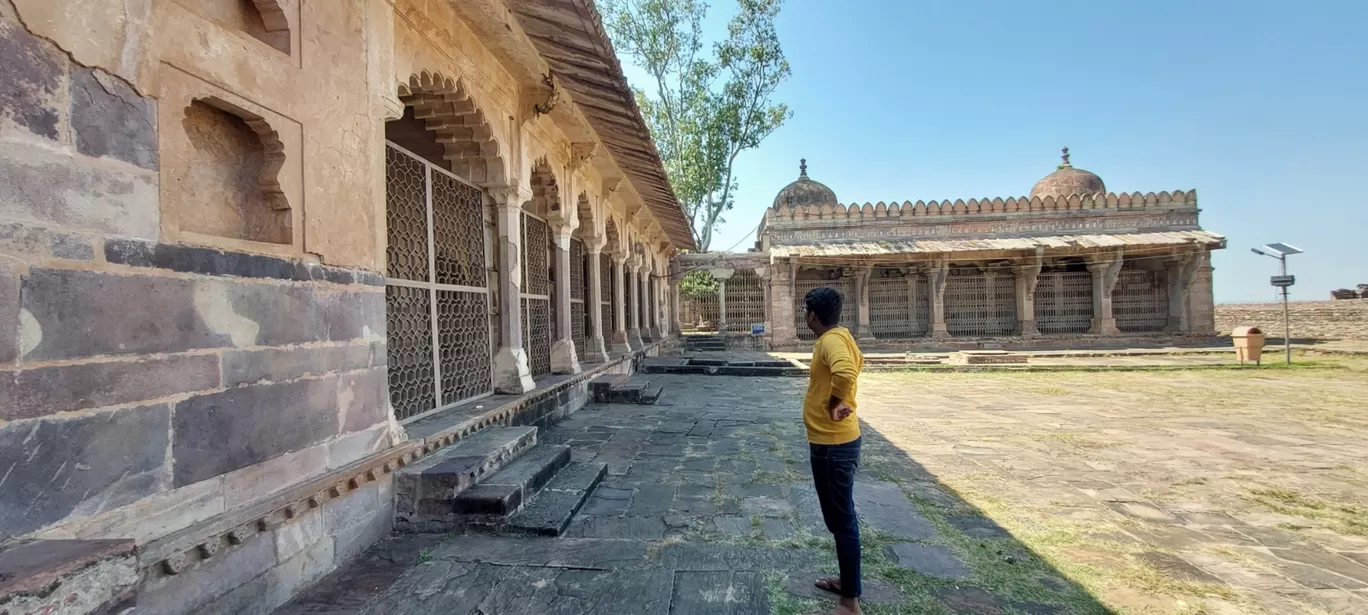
709 508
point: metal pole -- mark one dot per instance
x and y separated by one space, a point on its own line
1287 325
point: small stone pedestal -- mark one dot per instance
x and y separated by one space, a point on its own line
987 357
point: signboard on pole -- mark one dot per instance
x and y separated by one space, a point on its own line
758 328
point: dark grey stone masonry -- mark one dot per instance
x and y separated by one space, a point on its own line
110 119
222 432
32 393
90 463
86 313
210 261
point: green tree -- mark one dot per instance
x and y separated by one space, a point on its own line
697 283
705 107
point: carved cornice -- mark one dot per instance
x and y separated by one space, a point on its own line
1179 199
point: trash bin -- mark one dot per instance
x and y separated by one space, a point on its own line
1249 343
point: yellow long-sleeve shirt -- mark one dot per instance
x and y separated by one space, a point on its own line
836 365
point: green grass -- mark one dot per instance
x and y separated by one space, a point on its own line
1343 518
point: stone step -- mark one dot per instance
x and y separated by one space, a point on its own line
550 512
504 492
651 394
601 387
631 391
424 490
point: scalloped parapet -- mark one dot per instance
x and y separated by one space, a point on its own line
1133 201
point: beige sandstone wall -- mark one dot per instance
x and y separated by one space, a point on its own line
1330 320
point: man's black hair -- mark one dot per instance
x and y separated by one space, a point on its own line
825 302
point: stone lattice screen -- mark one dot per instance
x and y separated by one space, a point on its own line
1321 320
606 286
899 304
1140 301
536 294
980 303
849 305
699 311
1064 302
578 315
745 301
435 272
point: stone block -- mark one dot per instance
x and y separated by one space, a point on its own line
9 313
85 313
363 399
32 78
370 528
930 560
64 388
48 187
208 581
281 364
356 446
358 505
79 466
150 518
26 240
222 432
354 315
259 480
110 119
303 533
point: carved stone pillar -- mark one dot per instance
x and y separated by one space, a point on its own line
634 304
722 275
862 331
764 274
1105 269
676 325
650 325
937 276
1179 274
782 301
659 290
596 352
620 345
512 374
912 277
1027 276
1201 304
563 357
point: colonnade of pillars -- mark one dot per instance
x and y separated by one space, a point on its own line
780 284
638 304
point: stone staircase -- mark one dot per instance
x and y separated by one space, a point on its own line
620 389
499 479
705 343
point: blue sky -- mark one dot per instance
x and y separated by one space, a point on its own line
1261 106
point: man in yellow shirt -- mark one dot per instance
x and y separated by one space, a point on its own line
834 437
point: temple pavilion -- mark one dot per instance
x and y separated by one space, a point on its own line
1069 264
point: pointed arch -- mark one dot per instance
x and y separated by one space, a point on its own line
460 125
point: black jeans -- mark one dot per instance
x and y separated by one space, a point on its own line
833 474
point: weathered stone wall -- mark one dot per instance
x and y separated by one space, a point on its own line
1323 320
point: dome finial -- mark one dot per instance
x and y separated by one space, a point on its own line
802 167
1065 157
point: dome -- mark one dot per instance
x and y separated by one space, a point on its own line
804 191
1067 181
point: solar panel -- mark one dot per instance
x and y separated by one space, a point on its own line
1283 249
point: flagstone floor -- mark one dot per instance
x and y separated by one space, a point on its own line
1187 492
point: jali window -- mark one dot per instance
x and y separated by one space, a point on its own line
437 287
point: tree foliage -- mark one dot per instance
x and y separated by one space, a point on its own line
705 105
697 283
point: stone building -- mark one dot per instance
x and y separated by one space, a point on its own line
257 258
1070 264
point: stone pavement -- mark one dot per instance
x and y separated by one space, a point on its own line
1192 492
